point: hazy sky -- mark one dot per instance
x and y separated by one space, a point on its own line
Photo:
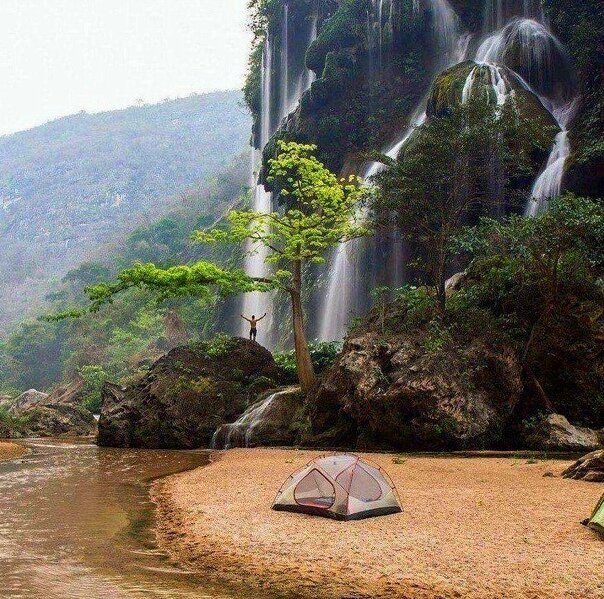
58 57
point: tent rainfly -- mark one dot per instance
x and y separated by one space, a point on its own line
343 487
596 522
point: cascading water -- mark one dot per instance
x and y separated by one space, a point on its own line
539 59
255 263
497 83
241 432
534 53
498 12
345 295
284 94
255 266
549 183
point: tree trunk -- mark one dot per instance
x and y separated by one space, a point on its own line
306 372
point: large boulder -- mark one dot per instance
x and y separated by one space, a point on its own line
589 468
498 86
394 394
186 396
26 400
555 433
60 413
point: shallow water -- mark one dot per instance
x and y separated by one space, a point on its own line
76 522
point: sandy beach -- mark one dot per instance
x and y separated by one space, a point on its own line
10 451
477 528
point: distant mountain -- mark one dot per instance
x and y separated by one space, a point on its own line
80 182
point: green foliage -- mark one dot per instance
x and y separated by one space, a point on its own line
126 340
419 302
94 377
323 355
320 214
445 177
219 345
540 281
11 426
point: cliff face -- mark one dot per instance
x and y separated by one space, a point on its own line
374 62
357 77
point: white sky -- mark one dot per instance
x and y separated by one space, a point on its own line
58 57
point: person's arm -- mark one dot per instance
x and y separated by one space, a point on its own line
263 316
244 318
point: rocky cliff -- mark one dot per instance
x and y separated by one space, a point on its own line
187 395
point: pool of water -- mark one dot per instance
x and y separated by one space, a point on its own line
76 522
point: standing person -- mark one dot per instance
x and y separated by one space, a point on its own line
253 325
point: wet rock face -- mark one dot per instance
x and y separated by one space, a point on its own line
589 468
556 433
274 420
60 413
394 395
186 396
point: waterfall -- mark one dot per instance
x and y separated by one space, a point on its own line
284 72
259 303
534 53
497 82
498 12
240 433
549 183
380 24
255 263
541 62
345 288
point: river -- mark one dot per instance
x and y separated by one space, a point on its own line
76 521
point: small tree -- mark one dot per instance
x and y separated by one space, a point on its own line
455 167
320 212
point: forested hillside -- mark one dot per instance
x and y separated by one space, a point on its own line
81 182
122 342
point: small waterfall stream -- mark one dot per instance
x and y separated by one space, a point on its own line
240 433
549 183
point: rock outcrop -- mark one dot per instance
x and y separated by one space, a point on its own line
26 400
186 396
393 393
555 433
589 468
60 413
274 420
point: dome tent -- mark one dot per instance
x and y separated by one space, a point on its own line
342 486
596 522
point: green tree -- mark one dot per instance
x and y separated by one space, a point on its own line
543 277
455 167
320 211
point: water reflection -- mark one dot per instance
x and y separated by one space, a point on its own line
75 523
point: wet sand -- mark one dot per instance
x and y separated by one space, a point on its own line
11 451
479 528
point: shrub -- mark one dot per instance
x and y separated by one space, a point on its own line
322 353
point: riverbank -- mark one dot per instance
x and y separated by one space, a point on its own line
471 527
11 451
